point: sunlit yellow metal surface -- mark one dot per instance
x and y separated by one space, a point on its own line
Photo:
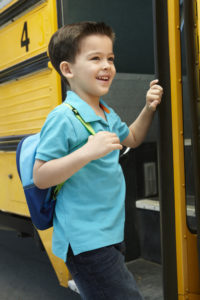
188 297
186 244
33 28
11 193
25 103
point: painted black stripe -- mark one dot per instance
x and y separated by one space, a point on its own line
16 9
26 67
9 143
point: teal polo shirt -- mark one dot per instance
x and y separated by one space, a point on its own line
89 211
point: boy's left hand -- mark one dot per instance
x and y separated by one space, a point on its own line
154 95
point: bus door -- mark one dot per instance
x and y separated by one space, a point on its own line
177 64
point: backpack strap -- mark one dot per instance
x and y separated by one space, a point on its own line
85 124
57 189
88 127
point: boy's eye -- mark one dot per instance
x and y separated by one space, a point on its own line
95 58
111 58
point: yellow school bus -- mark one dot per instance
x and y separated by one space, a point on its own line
163 175
30 89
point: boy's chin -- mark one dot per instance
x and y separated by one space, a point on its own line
104 91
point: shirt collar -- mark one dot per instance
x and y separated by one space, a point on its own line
84 109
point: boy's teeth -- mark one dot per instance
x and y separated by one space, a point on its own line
103 78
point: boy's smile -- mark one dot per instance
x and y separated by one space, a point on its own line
93 70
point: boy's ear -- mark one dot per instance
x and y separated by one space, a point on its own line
65 69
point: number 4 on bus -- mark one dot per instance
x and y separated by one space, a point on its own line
24 39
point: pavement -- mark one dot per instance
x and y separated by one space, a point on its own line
26 272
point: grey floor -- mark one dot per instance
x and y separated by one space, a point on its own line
26 273
149 278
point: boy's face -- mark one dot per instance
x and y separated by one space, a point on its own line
93 70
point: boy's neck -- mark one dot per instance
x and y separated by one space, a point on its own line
94 103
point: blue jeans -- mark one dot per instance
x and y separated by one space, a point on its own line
101 274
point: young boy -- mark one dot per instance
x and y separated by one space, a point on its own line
89 213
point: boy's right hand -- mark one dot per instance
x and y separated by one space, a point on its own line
102 143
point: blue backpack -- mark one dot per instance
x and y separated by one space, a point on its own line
41 202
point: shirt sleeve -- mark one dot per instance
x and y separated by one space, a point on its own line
123 131
55 137
121 128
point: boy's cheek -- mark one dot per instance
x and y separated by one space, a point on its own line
114 73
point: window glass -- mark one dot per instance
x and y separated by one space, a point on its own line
4 3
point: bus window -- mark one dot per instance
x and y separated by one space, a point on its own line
4 3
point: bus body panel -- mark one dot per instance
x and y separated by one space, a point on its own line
30 89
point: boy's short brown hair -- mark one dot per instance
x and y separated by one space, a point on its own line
65 42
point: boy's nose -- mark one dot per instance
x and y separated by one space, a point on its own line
106 65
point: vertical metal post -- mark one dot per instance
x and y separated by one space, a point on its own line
166 179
